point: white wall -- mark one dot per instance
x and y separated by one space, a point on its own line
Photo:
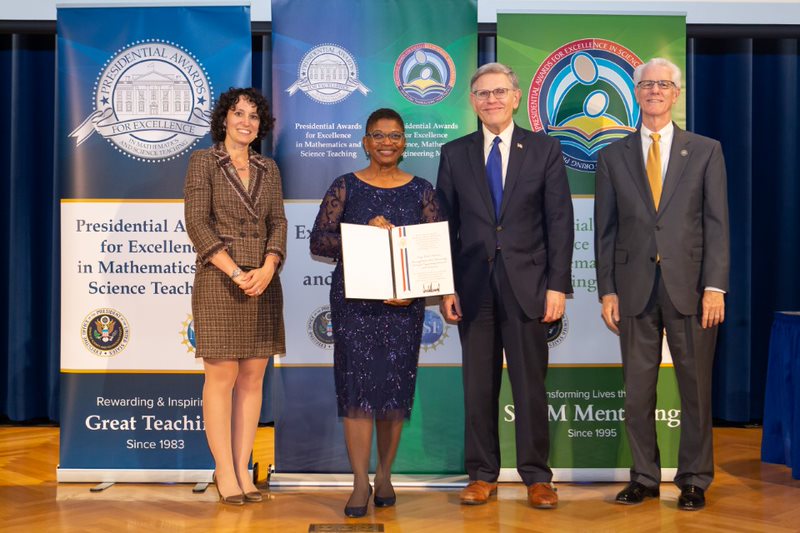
697 12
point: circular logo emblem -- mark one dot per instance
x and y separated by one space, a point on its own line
320 327
424 74
327 74
152 101
557 332
187 333
434 330
105 332
582 94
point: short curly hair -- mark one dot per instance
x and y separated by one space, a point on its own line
384 113
227 101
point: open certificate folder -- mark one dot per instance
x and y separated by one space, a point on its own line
406 262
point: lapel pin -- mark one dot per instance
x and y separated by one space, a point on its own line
684 152
519 145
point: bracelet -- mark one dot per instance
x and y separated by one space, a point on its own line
236 272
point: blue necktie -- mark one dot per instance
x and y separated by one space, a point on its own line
494 176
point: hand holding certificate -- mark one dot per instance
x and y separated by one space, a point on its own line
404 262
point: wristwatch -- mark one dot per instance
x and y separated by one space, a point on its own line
236 272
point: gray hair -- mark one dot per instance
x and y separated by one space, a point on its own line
495 68
660 61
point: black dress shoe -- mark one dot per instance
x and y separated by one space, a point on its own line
388 501
635 493
359 511
692 498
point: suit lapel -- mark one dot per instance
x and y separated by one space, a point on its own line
635 164
678 157
516 155
478 165
225 164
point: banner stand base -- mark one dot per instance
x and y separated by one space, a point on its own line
111 476
286 479
507 475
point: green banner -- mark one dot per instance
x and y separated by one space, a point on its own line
575 72
576 77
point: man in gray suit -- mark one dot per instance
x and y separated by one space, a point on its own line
662 248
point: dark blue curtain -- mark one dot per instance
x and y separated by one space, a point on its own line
29 288
742 91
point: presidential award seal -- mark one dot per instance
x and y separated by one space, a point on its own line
582 94
152 101
320 327
105 332
424 74
327 74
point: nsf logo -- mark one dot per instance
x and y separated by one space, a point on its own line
583 95
152 102
434 330
188 334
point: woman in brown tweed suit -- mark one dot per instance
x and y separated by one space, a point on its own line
235 219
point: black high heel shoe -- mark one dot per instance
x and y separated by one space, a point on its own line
358 512
237 499
385 502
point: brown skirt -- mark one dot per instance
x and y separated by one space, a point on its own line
228 324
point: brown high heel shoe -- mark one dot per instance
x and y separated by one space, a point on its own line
236 499
253 496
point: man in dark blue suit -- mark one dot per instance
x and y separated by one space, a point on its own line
509 207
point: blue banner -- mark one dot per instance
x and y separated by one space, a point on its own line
334 63
136 87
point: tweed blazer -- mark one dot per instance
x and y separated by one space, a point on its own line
221 215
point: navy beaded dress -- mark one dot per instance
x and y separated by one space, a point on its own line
376 346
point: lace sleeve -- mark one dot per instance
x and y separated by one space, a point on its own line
431 209
326 237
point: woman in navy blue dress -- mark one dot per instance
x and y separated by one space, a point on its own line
376 343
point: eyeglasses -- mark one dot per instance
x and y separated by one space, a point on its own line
662 84
483 94
379 136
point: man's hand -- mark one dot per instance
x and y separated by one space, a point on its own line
555 303
713 308
610 312
450 306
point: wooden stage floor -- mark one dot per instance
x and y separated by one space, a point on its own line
746 496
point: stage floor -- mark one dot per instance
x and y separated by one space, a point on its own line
747 495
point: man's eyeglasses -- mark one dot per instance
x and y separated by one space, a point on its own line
483 94
379 136
662 84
